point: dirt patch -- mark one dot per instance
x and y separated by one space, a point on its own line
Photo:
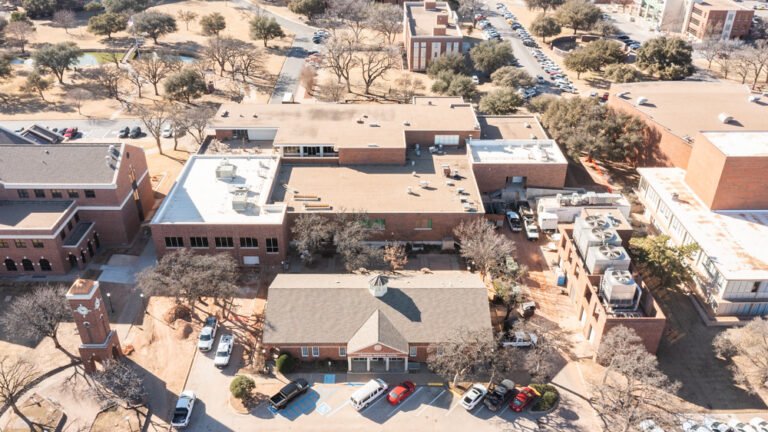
119 418
176 313
183 329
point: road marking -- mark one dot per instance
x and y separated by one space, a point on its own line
453 407
506 407
436 384
418 413
323 408
381 398
329 379
400 405
339 408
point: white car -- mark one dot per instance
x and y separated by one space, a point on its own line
716 426
168 130
690 426
224 351
531 230
739 426
207 334
520 339
183 411
649 426
759 424
475 79
514 221
473 396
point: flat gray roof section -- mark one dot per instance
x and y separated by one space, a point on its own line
30 214
9 137
58 165
332 308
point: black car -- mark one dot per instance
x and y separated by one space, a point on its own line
500 395
288 393
135 132
124 132
622 37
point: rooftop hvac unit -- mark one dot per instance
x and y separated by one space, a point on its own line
724 118
602 198
591 221
753 98
226 170
619 288
596 237
240 199
600 258
641 101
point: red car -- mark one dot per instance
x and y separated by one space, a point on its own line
401 392
70 133
523 399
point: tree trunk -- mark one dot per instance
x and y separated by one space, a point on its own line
265 42
41 95
138 87
30 424
159 145
154 84
175 140
154 38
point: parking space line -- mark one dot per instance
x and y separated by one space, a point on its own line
339 408
506 407
400 405
418 413
377 402
453 407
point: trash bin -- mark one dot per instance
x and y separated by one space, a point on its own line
527 309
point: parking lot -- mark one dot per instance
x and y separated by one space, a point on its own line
88 130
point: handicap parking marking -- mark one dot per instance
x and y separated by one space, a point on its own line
442 392
329 379
400 405
323 408
339 408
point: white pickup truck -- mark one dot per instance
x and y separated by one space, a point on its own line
520 339
224 351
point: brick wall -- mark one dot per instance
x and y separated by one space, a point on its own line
427 138
411 46
492 177
331 351
358 156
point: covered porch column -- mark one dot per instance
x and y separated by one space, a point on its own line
386 362
368 364
349 364
406 364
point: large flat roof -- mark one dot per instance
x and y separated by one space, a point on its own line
720 5
28 215
200 197
380 188
686 108
751 143
505 151
516 127
734 239
422 21
349 125
422 308
58 165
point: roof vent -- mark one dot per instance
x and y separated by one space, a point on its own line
240 199
225 114
641 101
753 98
406 123
688 138
622 94
377 285
725 118
527 125
360 121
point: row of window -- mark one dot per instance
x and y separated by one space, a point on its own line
412 351
56 193
27 265
222 243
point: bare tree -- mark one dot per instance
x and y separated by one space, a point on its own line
350 235
310 232
154 117
748 343
38 314
248 61
507 288
614 347
119 382
709 48
726 58
155 68
386 19
108 77
466 354
352 13
332 90
19 33
407 86
340 57
219 50
376 62
65 19
187 16
635 389
136 80
180 273
742 65
542 359
759 59
78 95
15 376
468 8
308 77
196 122
481 244
395 255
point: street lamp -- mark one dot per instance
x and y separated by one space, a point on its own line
109 300
141 295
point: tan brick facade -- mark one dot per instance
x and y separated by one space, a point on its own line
708 21
492 177
430 31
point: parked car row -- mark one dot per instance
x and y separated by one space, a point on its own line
489 31
757 424
320 36
130 132
503 393
562 82
516 26
629 43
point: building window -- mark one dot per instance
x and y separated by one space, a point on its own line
10 265
37 244
342 351
424 224
304 352
72 193
198 242
20 244
755 287
77 217
249 242
291 151
45 265
224 242
375 224
315 351
174 242
26 264
272 245
90 193
413 351
56 193
39 193
23 193
62 234
4 244
329 150
446 140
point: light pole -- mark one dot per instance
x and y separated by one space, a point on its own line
141 295
109 300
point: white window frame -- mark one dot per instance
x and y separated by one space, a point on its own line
451 140
413 351
342 351
305 351
315 351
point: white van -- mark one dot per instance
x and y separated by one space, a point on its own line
366 394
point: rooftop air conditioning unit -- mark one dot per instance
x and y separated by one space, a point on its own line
596 237
619 288
641 101
600 258
240 199
725 118
753 98
226 170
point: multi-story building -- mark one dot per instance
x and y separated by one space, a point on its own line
716 19
411 169
593 257
374 322
721 204
677 111
59 204
431 29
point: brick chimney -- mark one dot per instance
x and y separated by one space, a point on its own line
429 5
442 19
438 31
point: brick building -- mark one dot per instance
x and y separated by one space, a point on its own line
59 204
718 19
720 203
376 323
431 29
592 255
677 111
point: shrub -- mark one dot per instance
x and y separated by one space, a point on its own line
285 363
548 399
241 387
